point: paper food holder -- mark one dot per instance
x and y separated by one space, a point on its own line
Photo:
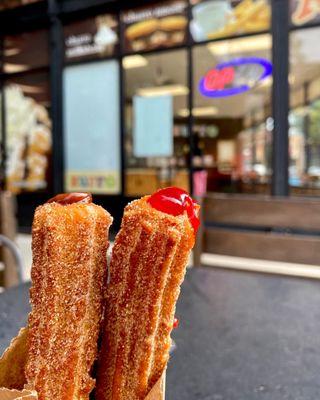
12 377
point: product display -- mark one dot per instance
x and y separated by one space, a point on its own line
147 267
69 244
28 141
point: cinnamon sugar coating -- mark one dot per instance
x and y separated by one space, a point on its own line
147 267
69 244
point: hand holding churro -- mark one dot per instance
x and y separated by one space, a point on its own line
69 244
147 267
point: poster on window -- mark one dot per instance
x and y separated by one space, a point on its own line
157 26
153 126
91 38
28 135
92 128
213 19
304 12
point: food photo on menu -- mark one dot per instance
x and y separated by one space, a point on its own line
162 25
85 312
213 19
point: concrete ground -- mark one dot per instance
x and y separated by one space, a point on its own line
310 271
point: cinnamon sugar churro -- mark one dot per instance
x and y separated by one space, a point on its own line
69 244
147 267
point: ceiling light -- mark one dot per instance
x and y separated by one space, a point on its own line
173 90
199 111
134 62
12 68
241 45
11 52
31 89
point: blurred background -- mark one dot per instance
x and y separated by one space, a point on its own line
120 98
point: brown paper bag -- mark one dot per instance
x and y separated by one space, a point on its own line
12 362
7 394
158 390
12 375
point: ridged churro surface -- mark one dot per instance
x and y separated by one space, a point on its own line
69 244
147 267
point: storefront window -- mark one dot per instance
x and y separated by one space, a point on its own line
28 132
156 122
304 117
232 102
92 127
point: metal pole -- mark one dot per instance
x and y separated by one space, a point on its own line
56 84
280 97
190 67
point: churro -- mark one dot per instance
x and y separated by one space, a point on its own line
148 264
69 244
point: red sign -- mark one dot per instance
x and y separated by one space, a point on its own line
218 79
305 11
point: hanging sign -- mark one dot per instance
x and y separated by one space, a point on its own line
305 11
235 77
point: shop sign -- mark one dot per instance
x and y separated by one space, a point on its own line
235 77
161 25
212 19
305 11
91 38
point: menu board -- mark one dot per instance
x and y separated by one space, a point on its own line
305 11
91 38
92 127
153 27
213 19
28 135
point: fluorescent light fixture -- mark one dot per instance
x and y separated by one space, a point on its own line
31 89
11 52
199 111
173 90
241 45
11 68
136 61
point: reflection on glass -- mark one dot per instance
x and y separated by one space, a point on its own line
155 82
28 133
233 133
304 117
